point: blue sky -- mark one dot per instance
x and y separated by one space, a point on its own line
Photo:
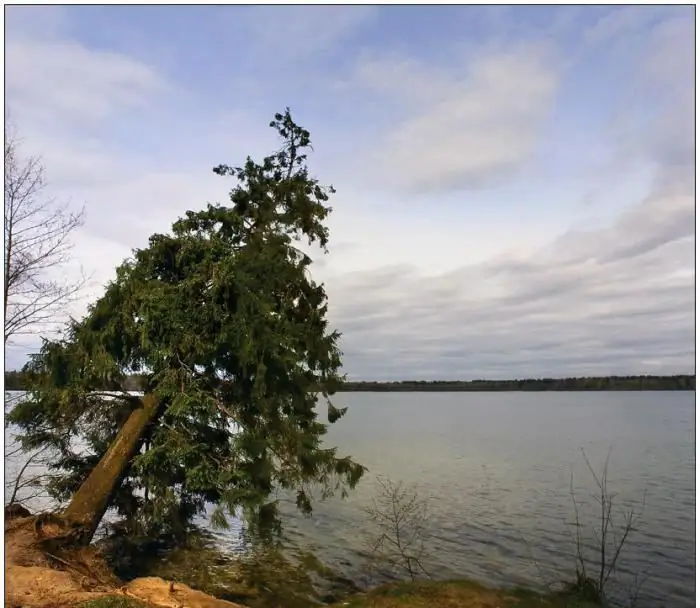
515 185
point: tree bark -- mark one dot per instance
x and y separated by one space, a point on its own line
90 502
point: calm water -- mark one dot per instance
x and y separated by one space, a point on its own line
496 471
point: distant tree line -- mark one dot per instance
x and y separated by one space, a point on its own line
605 383
16 380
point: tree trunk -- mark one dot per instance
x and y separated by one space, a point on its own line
89 503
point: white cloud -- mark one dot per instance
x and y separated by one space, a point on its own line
438 288
615 299
528 317
46 79
38 22
654 67
408 81
293 33
620 22
467 126
61 95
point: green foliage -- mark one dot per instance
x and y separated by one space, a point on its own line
225 324
15 380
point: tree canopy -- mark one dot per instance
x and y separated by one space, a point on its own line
222 317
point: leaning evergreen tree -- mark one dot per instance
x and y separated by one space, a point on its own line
230 331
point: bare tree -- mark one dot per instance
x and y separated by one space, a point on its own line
37 244
398 527
595 566
37 231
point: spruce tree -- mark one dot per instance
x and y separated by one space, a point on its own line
222 317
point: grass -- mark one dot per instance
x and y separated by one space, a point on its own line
271 579
456 594
412 594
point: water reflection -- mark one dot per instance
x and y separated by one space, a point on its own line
497 468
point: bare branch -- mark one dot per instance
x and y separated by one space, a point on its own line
37 241
609 544
25 480
399 518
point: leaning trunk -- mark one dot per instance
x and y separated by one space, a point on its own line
89 503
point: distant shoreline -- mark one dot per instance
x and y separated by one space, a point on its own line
606 383
15 380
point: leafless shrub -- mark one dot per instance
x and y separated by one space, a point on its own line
597 563
398 521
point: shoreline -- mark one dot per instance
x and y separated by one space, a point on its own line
15 381
82 578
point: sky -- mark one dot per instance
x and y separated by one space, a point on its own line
515 185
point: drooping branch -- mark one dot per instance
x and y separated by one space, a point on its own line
224 318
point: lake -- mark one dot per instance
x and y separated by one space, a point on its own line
496 470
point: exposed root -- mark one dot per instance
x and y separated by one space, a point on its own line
53 530
46 566
16 511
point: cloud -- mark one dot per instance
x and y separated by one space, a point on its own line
619 22
457 250
666 71
619 299
61 96
61 77
294 33
37 22
654 107
467 127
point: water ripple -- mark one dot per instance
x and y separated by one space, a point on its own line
501 465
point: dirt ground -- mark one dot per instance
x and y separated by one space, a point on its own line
37 577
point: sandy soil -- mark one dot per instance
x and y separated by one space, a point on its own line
39 578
